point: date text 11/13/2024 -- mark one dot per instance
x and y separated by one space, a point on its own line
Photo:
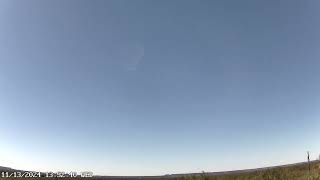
45 174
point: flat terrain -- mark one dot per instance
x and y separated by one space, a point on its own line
299 171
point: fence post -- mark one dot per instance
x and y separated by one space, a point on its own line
308 160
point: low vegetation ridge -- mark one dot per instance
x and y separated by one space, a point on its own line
297 171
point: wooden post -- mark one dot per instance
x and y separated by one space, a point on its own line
308 160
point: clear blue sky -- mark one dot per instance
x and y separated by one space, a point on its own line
158 87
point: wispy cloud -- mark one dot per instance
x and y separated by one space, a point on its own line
135 58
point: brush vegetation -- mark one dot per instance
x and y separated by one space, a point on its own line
294 172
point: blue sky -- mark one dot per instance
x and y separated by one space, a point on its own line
158 87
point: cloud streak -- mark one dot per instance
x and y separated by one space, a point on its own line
135 58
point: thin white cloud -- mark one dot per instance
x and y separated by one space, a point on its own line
135 58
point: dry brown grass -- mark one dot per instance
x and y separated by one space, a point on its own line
297 172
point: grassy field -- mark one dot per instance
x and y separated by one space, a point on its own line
295 172
299 172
